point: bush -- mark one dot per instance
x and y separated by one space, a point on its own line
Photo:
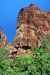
22 65
41 59
37 64
4 62
45 45
42 63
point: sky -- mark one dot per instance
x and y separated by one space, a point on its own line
9 10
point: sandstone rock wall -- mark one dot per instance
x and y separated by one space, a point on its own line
32 25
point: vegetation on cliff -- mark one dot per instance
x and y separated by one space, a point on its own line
37 64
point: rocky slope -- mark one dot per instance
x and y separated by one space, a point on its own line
32 25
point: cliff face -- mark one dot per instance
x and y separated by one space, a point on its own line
2 39
32 25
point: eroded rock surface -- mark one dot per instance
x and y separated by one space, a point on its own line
32 25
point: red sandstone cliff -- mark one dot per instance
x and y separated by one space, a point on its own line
32 25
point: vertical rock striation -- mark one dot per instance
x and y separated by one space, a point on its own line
32 25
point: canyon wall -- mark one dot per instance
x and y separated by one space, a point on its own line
32 24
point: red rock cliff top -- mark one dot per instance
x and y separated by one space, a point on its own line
31 13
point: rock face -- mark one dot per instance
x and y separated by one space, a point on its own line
2 39
32 25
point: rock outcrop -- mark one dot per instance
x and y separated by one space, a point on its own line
2 39
32 25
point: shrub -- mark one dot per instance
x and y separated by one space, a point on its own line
4 62
41 59
42 63
37 64
22 65
45 45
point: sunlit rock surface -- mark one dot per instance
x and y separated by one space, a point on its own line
32 25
